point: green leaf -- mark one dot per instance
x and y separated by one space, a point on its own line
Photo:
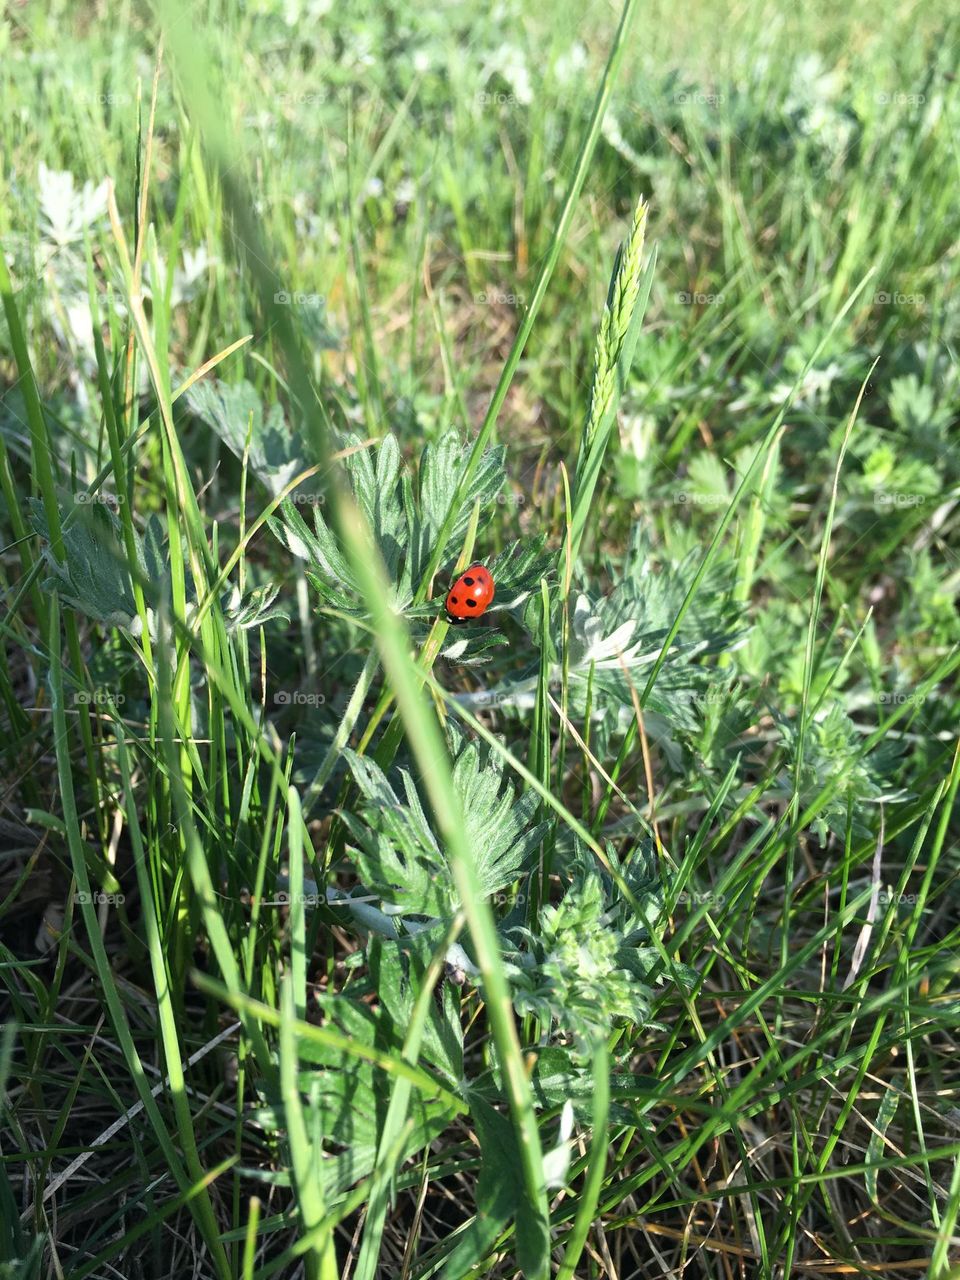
500 1196
885 1114
405 518
397 971
94 577
441 468
581 968
400 857
254 609
236 414
318 547
345 1097
517 571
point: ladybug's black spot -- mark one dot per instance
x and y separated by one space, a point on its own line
468 582
471 604
454 600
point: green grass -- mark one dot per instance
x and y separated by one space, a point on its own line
614 934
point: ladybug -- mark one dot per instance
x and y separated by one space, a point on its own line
470 594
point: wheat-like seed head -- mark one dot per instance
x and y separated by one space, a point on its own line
617 313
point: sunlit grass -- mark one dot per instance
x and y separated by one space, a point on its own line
613 934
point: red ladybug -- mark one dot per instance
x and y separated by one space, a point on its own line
470 594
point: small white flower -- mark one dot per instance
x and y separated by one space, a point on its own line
510 63
455 651
569 64
590 645
65 212
405 191
556 1163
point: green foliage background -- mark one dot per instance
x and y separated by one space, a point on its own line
610 935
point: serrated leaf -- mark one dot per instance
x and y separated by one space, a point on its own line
556 1078
441 466
580 966
256 608
235 412
471 645
401 859
707 478
317 546
517 571
344 1098
500 1195
94 577
405 517
397 971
